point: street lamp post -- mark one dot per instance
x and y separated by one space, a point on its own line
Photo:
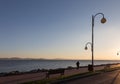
103 20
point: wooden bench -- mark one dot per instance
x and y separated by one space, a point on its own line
55 71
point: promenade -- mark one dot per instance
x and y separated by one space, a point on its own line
17 79
103 78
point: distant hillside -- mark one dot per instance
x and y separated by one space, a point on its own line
17 58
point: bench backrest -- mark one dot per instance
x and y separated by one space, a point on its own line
56 71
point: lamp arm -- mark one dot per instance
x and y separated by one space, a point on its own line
98 14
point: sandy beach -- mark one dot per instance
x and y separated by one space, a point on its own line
17 79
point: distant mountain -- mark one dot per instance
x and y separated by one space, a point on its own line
17 58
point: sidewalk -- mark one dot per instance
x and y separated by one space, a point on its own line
16 79
103 78
117 78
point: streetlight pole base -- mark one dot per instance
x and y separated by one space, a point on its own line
90 68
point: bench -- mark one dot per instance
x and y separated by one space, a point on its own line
55 71
107 67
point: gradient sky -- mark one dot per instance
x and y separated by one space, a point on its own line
58 29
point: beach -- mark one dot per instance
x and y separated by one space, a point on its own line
17 79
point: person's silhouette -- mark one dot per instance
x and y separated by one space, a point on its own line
77 64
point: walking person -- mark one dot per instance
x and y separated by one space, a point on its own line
77 64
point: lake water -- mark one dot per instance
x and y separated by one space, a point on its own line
27 65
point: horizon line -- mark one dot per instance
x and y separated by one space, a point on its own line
18 58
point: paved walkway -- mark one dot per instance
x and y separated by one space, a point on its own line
103 78
17 79
117 79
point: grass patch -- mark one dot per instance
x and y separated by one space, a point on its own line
71 77
62 78
44 81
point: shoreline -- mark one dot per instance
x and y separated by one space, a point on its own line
28 65
12 73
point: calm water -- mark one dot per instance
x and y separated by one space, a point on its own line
27 65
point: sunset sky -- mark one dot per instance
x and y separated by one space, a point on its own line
54 29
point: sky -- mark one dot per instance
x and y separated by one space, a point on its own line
59 29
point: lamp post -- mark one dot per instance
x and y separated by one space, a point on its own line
90 67
103 20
